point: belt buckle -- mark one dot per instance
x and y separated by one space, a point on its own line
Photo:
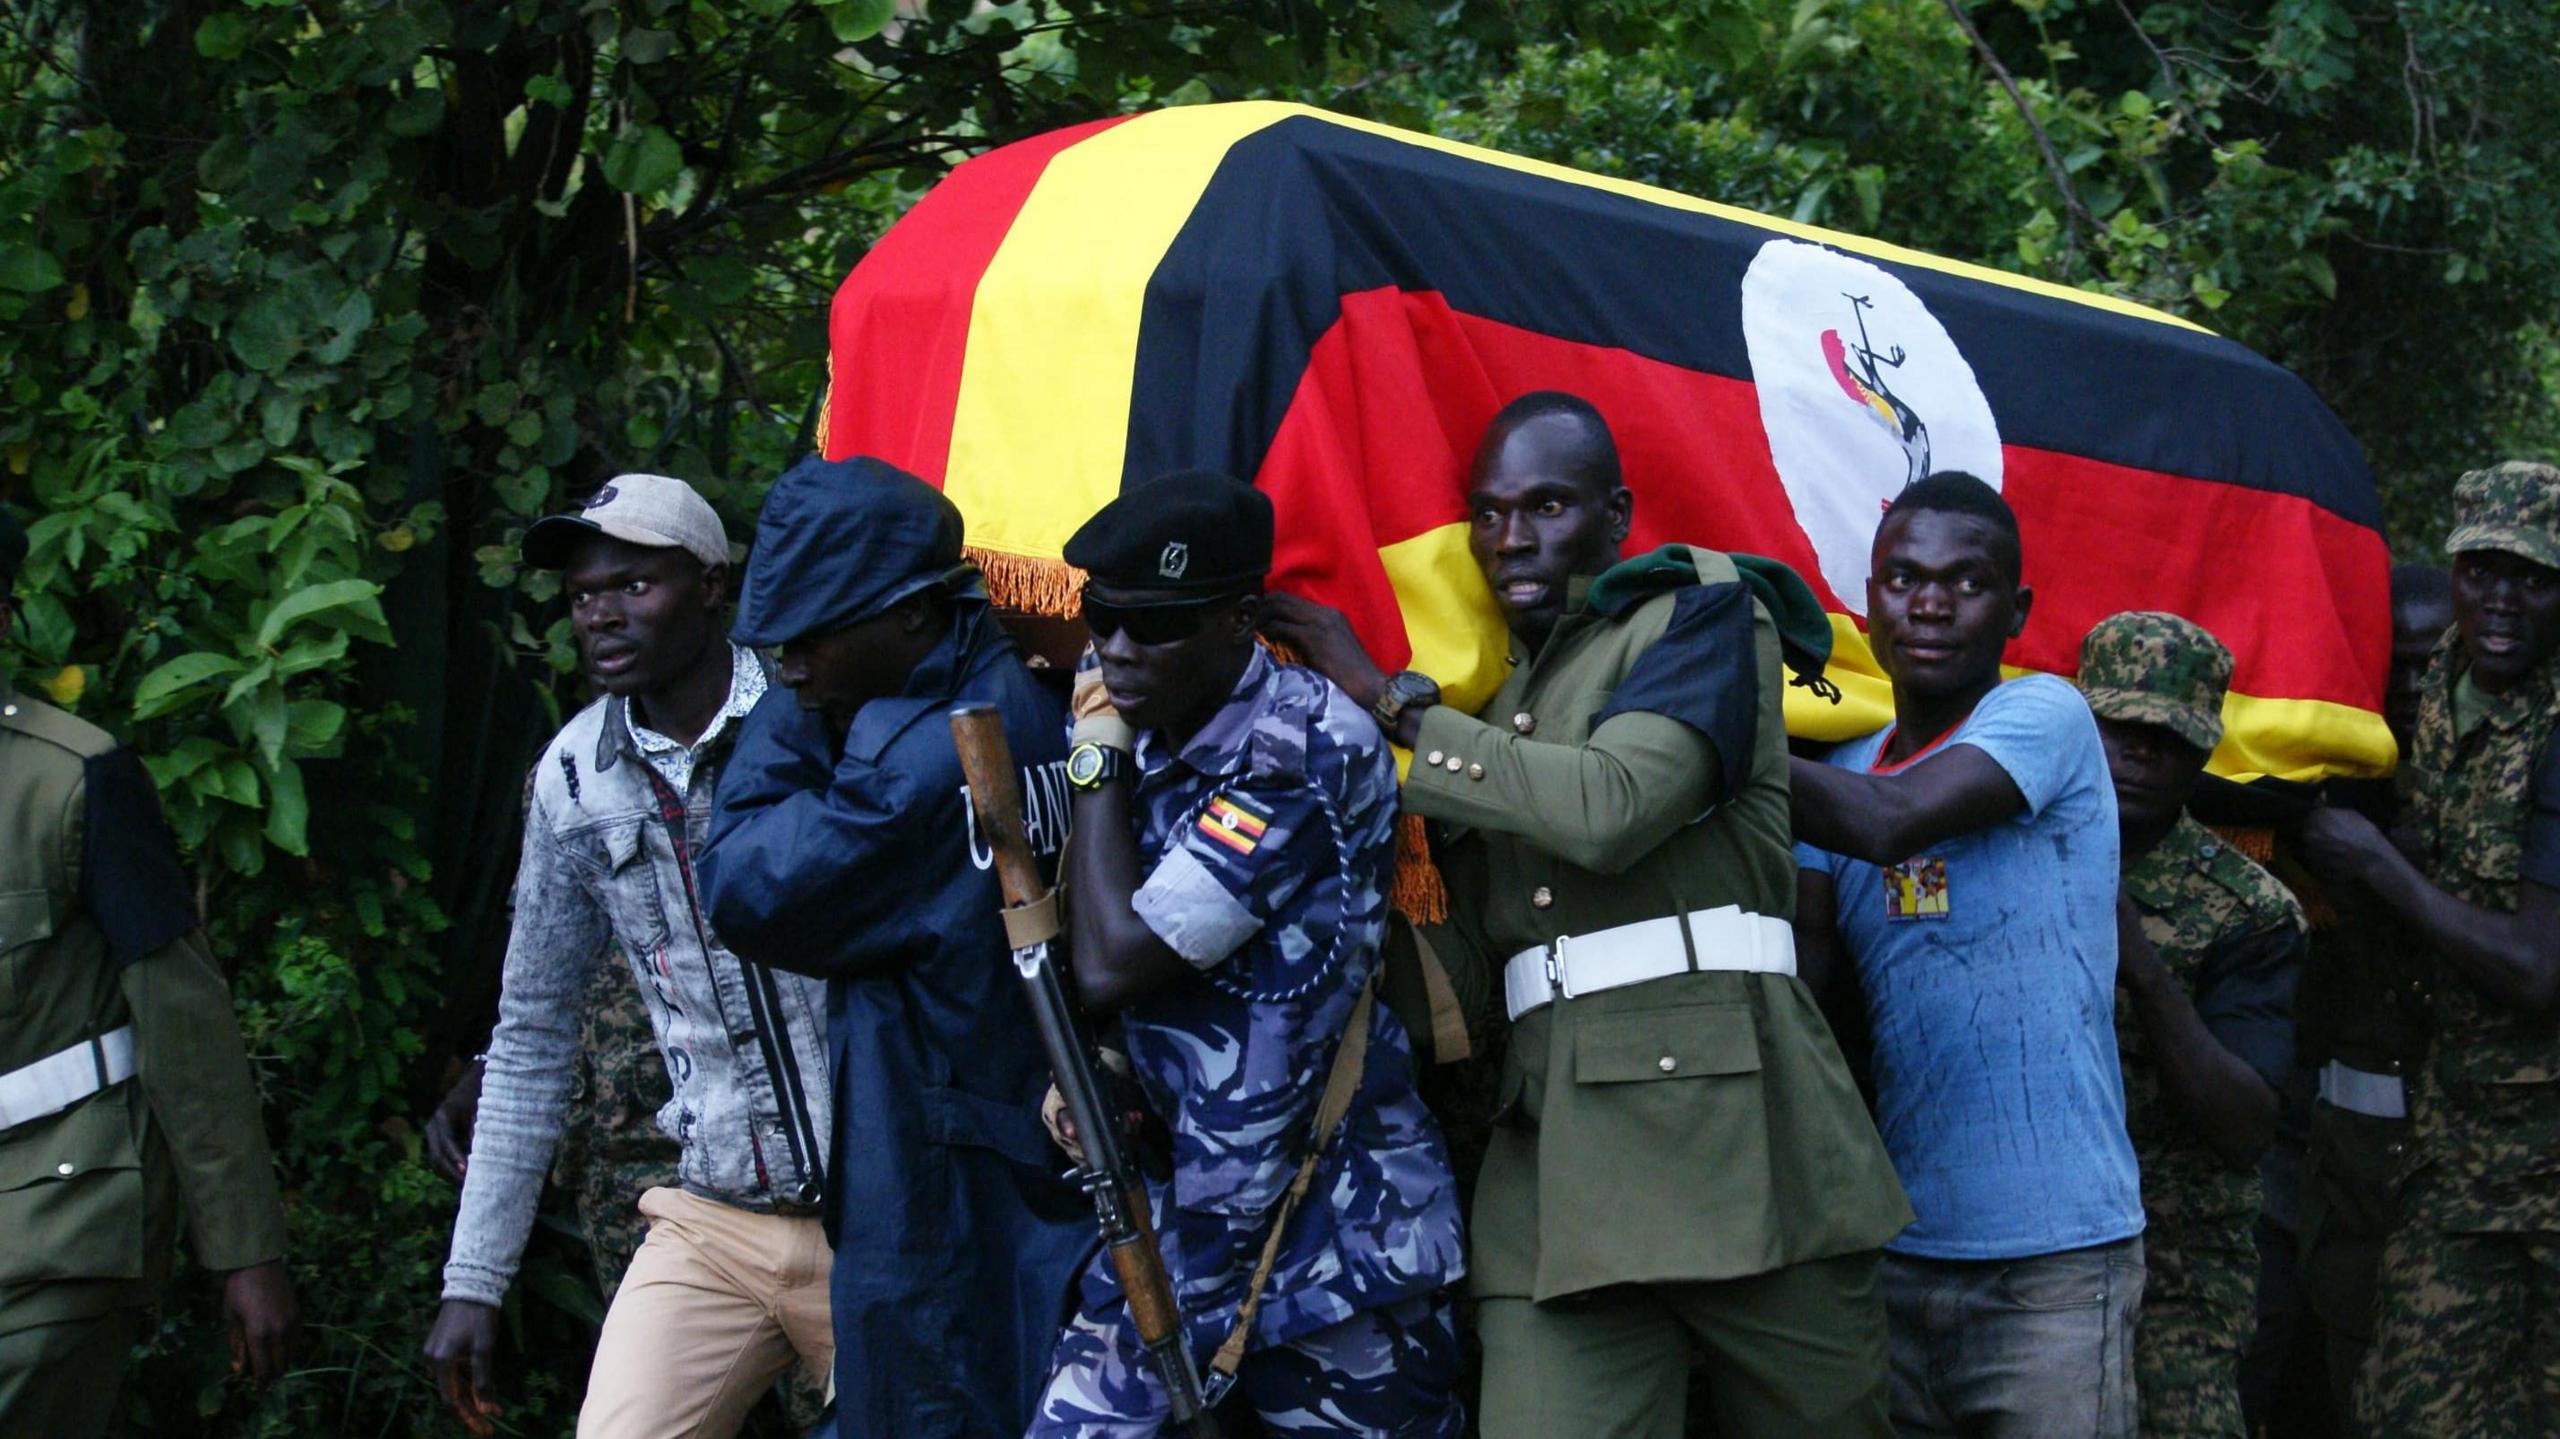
1557 970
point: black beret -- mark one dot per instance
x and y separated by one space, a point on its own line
13 549
1193 532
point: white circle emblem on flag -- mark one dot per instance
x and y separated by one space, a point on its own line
1861 392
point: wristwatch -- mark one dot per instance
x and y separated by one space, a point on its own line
1404 690
1092 765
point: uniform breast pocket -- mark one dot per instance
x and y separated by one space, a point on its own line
616 855
1700 1041
26 922
1656 1076
1678 1085
71 1197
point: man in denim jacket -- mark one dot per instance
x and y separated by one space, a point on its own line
731 1284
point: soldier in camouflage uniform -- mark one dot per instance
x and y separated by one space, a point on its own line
2468 1336
612 1150
2208 948
2360 1029
1234 823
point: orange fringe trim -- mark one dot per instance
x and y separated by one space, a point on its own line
1030 586
2255 841
1054 588
2259 843
1416 891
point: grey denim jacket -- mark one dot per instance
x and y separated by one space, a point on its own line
608 863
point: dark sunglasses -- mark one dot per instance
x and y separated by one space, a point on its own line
1156 624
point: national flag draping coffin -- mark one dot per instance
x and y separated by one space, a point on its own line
1334 309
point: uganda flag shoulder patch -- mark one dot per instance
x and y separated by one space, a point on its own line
1235 821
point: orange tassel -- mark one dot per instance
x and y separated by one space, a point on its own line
2259 843
2256 841
1025 585
1416 890
1030 586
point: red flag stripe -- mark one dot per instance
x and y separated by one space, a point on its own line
894 397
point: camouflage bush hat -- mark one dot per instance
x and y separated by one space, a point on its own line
2513 507
2153 668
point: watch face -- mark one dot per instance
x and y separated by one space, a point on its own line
1084 766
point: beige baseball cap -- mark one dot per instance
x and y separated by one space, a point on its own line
651 510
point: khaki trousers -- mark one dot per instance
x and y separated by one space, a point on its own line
714 1308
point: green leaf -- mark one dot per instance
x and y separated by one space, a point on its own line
269 722
313 725
304 655
549 89
642 160
854 21
249 679
288 809
237 782
2323 277
415 113
28 269
222 36
316 599
267 333
647 47
725 279
162 687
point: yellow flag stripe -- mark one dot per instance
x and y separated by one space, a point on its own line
1041 424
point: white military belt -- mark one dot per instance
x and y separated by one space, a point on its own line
58 1081
1727 938
2382 1096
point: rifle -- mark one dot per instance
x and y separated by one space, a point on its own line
1108 1174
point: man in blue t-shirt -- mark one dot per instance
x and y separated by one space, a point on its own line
1959 872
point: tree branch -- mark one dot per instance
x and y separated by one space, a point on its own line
2075 213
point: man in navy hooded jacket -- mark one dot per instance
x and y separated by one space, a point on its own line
842 847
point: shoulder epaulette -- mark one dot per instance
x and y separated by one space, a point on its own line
37 720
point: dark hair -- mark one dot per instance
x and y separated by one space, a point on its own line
1953 492
2420 585
1595 456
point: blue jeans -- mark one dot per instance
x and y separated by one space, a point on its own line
2036 1348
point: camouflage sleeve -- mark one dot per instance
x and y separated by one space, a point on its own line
2244 995
2541 862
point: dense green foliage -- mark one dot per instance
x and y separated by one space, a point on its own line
306 308
2357 191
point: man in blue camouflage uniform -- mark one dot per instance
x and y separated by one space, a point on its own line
1234 821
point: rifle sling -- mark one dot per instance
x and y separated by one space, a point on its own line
1349 1058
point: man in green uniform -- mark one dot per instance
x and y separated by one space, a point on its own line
2208 946
2467 1339
2361 1029
125 1098
1680 1165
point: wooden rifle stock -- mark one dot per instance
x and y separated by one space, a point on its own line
1110 1177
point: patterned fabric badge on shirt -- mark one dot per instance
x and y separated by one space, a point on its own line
1235 821
1915 888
